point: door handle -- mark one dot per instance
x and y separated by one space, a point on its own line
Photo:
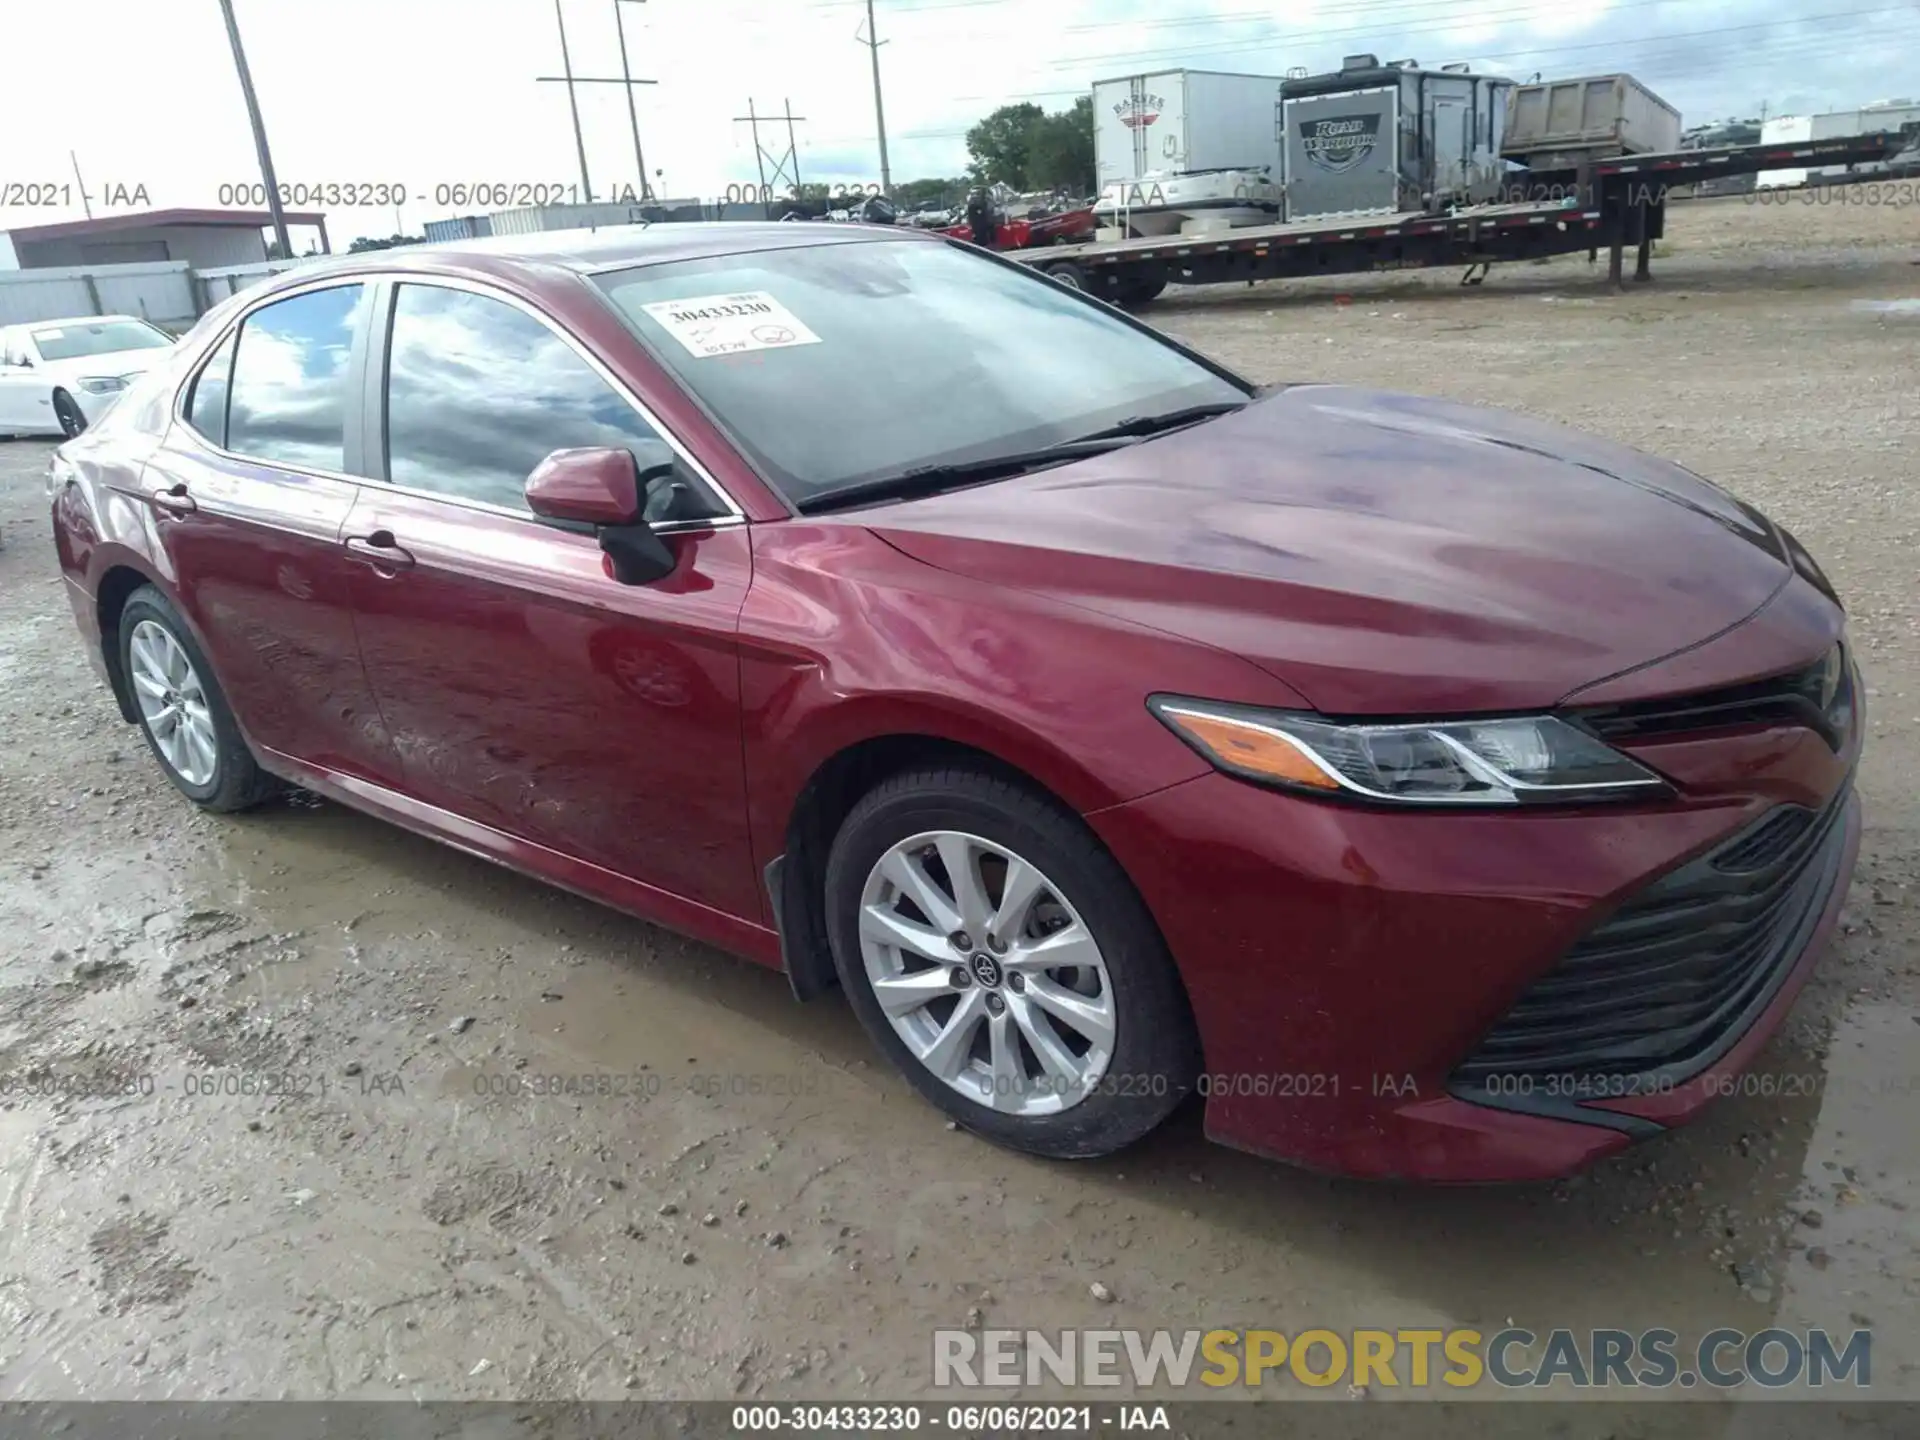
380 551
174 500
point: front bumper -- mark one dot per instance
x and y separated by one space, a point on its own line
1343 962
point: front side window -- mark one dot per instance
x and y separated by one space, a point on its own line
479 392
207 405
75 340
289 394
837 363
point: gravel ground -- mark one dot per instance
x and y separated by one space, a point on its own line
766 1211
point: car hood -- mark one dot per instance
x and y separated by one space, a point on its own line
1381 553
119 364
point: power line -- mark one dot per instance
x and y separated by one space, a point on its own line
1762 54
1362 31
785 166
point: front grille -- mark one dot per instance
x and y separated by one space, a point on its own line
1764 843
1819 696
1668 981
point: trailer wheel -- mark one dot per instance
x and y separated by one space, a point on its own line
1068 274
1139 289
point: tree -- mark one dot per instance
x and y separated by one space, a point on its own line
1060 150
371 242
1025 148
1001 145
930 194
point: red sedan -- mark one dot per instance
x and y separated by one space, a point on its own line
1436 792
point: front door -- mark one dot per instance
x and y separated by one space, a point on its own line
26 404
525 688
249 492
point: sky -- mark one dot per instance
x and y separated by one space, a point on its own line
421 94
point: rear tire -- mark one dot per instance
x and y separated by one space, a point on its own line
1070 1060
183 713
1068 274
1140 290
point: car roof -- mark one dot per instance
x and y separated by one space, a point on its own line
613 247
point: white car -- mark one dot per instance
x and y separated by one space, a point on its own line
58 376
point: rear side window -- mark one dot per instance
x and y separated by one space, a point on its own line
479 393
289 395
207 405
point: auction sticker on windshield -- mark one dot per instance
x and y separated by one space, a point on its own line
730 324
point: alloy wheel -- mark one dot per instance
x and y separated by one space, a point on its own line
173 703
72 423
987 973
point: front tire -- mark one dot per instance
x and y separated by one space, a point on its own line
1003 961
67 412
183 713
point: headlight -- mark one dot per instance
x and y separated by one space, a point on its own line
1802 560
102 384
1529 760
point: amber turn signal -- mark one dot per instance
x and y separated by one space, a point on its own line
1250 748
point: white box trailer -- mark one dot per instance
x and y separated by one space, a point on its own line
1784 130
1176 122
1552 124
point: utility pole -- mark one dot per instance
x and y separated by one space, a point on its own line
573 104
633 115
785 167
259 133
80 180
759 159
793 146
624 78
873 42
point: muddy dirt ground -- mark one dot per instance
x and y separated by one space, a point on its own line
772 1213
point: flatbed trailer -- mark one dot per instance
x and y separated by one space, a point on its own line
1600 204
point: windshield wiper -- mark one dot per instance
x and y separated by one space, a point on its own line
931 479
1144 425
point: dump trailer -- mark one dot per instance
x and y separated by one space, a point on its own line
1553 124
1593 205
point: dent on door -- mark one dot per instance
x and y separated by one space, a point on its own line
528 690
255 556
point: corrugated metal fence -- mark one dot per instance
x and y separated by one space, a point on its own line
169 293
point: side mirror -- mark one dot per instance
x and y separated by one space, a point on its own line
597 487
602 487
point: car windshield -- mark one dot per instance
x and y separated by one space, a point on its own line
77 339
834 364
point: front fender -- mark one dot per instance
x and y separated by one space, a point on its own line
844 640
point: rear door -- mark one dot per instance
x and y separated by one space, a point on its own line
1450 132
526 689
1343 153
249 490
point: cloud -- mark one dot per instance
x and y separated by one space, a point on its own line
431 93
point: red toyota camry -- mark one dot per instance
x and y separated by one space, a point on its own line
1436 792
